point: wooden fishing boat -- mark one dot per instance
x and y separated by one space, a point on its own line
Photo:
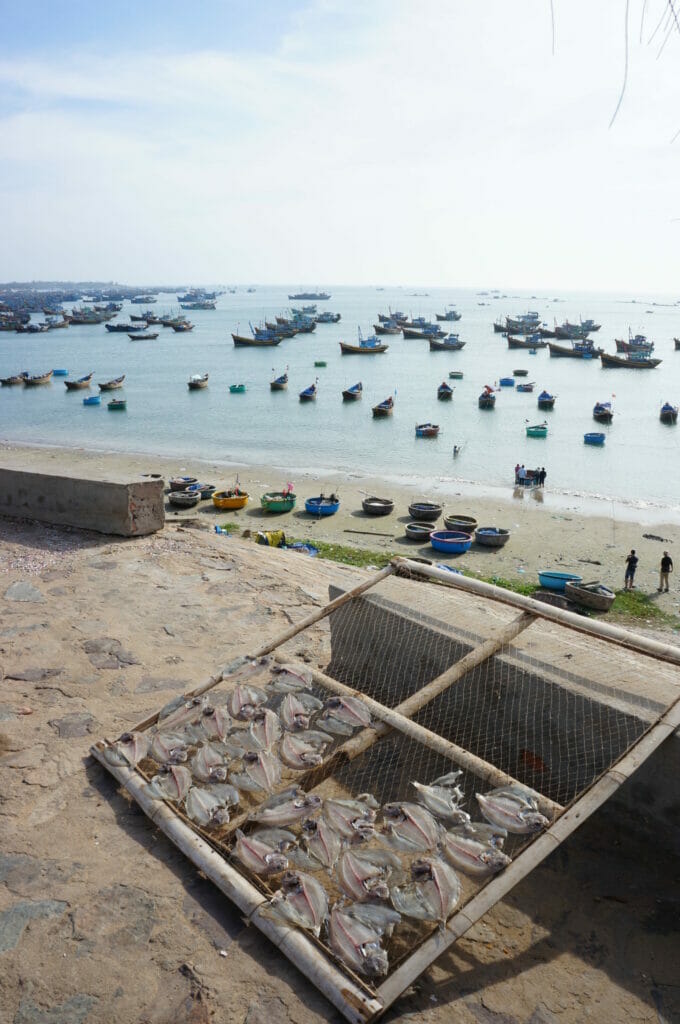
242 342
425 511
546 400
237 389
36 379
279 383
184 499
384 408
364 346
595 439
418 531
603 412
308 394
387 329
93 400
197 381
373 506
638 343
119 328
668 413
278 501
452 542
633 361
491 536
577 350
537 430
515 341
322 506
468 524
231 500
17 378
590 595
80 384
146 336
117 404
450 344
354 393
487 399
444 392
427 429
520 373
183 327
449 315
455 374
112 385
180 483
525 388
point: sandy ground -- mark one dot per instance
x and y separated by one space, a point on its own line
547 531
102 920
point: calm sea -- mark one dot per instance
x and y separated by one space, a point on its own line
639 462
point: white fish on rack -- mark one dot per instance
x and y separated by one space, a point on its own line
128 750
215 722
433 893
285 809
411 827
265 728
352 819
289 679
244 701
512 808
356 944
303 749
321 842
296 710
363 874
169 748
301 900
342 715
173 782
261 770
203 807
259 856
442 797
208 764
473 857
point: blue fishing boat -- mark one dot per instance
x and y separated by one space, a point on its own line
328 318
60 373
557 580
309 394
594 439
546 400
384 408
322 506
427 429
507 382
525 388
449 314
603 412
453 542
444 392
449 343
354 393
279 383
366 346
668 413
92 400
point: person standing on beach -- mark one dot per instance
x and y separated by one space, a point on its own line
631 566
541 477
666 569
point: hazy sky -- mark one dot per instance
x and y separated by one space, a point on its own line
343 141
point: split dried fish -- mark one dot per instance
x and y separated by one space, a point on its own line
302 750
512 808
208 765
173 782
280 839
215 722
169 748
288 811
296 710
410 826
342 715
377 916
442 797
475 858
352 819
181 711
363 875
244 701
265 728
238 743
258 856
321 841
204 808
433 893
356 944
226 794
261 770
129 749
301 900
288 679
484 832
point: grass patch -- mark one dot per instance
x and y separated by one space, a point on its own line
360 557
516 586
230 527
635 604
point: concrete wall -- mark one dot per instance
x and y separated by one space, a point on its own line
129 507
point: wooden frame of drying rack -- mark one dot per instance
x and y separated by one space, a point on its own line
357 1001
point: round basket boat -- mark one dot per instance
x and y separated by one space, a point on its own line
468 524
321 506
425 511
377 506
557 580
184 499
231 499
204 490
180 483
590 595
491 536
419 531
453 542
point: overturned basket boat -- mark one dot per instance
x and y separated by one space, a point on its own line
491 536
377 506
425 511
590 595
184 499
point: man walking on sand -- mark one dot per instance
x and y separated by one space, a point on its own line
666 569
631 566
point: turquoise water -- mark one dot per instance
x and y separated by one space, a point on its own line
638 463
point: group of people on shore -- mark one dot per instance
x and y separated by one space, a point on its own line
665 569
525 477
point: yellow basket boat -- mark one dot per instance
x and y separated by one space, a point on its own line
230 499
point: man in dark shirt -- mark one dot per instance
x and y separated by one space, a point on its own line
666 569
631 566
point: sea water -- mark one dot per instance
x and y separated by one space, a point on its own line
638 464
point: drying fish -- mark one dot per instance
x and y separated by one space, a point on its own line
356 944
296 710
288 679
129 749
258 856
442 797
410 826
475 858
352 819
173 782
482 831
302 750
244 701
512 811
301 900
377 916
433 893
215 722
288 811
343 715
238 743
204 808
278 838
261 770
181 711
228 795
363 875
265 728
169 748
244 668
208 765
321 841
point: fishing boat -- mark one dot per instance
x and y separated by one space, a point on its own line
112 385
146 336
507 382
197 381
577 350
328 318
452 343
183 326
452 542
387 328
603 412
320 362
396 317
487 399
240 341
546 400
444 392
16 378
180 483
525 388
237 389
529 342
595 439
427 429
117 404
353 393
120 328
633 361
315 296
491 536
526 323
184 499
60 373
449 314
456 521
93 400
419 531
520 373
574 332
537 430
635 343
365 346
668 413
557 580
373 506
279 383
383 409
590 595
455 374
417 323
422 334
425 511
322 506
278 501
80 384
32 381
231 500
308 394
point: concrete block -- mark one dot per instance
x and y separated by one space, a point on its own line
128 507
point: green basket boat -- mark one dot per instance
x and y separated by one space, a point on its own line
538 430
278 501
320 362
237 389
117 405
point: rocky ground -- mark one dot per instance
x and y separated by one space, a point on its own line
102 919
